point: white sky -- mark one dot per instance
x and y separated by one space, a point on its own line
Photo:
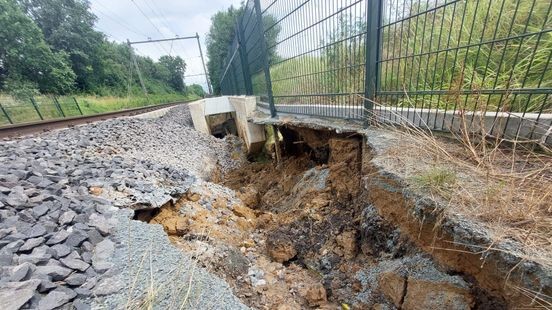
122 20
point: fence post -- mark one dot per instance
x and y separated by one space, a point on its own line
36 108
56 102
372 45
78 106
6 114
264 50
243 58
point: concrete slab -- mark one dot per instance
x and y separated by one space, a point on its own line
241 107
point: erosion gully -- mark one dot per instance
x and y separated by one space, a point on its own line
304 235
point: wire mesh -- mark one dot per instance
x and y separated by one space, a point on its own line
476 65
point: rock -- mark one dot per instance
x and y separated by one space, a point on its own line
46 286
67 217
31 244
75 262
35 231
58 237
13 295
17 199
14 246
57 273
21 272
40 210
256 276
76 238
81 305
56 298
348 242
83 292
76 279
37 256
280 248
102 255
428 294
393 285
61 250
101 223
316 295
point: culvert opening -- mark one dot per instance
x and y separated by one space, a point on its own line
145 215
303 234
222 125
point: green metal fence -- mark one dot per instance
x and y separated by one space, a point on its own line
479 65
14 111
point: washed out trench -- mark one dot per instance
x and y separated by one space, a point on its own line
302 234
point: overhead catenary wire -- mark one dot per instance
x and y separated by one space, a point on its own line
117 19
151 22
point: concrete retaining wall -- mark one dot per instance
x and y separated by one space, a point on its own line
241 108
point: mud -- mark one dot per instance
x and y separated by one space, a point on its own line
303 234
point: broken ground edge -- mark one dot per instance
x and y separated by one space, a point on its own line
461 245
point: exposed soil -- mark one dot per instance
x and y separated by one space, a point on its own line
302 234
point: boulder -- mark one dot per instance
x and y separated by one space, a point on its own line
13 295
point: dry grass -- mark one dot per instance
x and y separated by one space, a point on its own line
505 185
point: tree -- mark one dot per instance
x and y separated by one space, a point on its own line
68 25
196 89
220 36
176 68
26 60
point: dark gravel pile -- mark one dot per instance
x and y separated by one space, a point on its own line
59 229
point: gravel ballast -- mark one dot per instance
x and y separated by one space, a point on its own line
67 238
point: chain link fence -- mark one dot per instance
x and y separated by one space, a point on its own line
474 65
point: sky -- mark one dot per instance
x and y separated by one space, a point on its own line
139 20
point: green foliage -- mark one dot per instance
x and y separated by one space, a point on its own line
436 180
220 36
502 65
26 60
175 67
195 90
50 46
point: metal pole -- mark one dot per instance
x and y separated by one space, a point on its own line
162 40
204 68
264 50
137 69
6 114
78 106
56 102
372 43
243 57
36 108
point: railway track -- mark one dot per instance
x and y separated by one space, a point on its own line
18 130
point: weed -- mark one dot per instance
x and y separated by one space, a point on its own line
437 180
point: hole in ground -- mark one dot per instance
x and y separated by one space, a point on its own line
301 235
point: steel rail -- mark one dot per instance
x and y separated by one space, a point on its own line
23 129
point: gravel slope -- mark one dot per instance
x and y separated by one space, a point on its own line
62 241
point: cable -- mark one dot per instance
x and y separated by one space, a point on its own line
154 26
120 23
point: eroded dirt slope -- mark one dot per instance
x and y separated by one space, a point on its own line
303 235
